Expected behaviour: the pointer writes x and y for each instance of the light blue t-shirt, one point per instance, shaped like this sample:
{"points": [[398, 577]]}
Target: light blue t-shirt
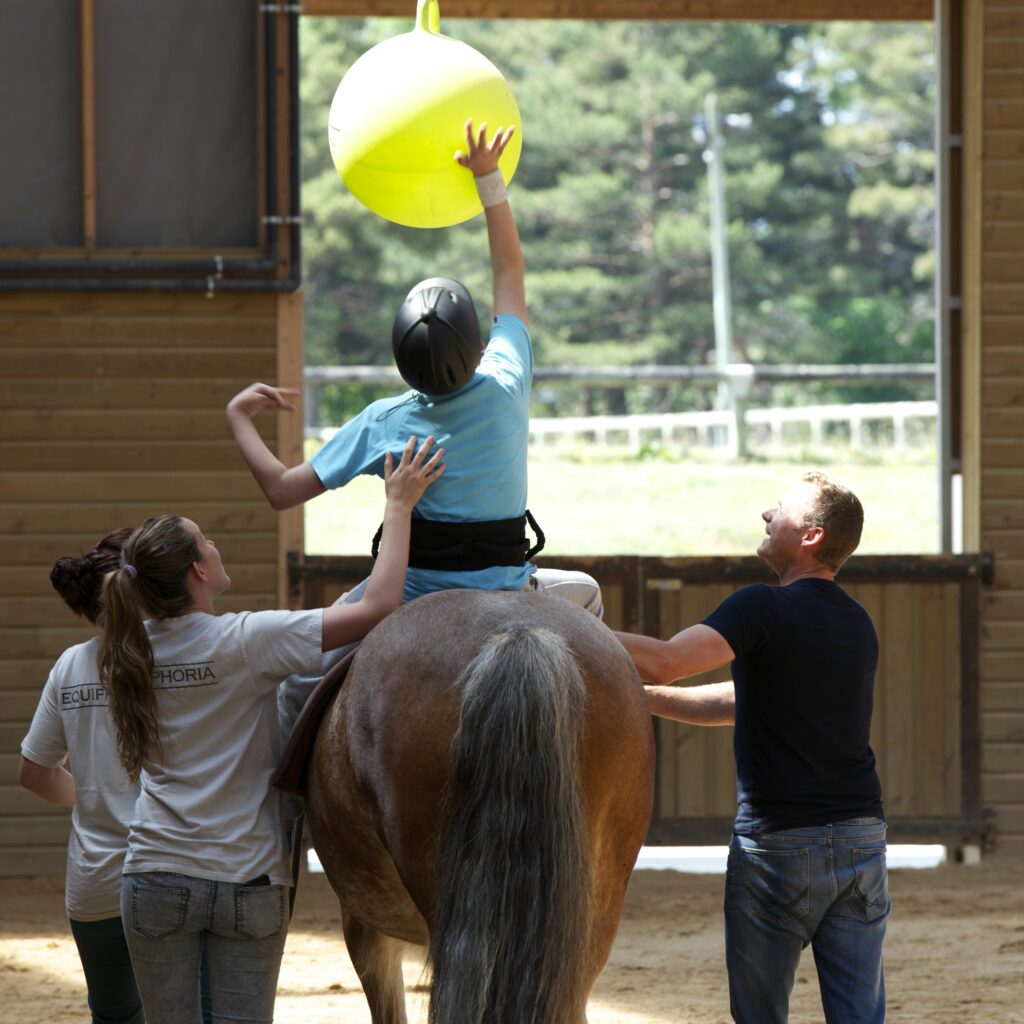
{"points": [[483, 428]]}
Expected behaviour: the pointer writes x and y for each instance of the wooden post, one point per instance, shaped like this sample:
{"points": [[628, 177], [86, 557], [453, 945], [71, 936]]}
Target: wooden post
{"points": [[88, 125], [291, 538]]}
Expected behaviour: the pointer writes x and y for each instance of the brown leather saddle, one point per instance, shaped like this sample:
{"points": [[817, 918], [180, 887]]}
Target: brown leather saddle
{"points": [[294, 764]]}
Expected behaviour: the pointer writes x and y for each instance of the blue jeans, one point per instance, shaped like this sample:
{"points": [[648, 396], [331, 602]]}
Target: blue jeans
{"points": [[170, 919], [825, 887], [113, 995]]}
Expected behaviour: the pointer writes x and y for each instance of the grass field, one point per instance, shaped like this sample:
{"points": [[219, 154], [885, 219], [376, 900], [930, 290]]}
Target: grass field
{"points": [[593, 501]]}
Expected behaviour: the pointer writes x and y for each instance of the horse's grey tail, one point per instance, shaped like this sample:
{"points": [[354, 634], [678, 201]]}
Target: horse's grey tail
{"points": [[508, 942]]}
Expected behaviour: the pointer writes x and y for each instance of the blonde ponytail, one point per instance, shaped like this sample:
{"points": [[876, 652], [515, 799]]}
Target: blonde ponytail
{"points": [[152, 579]]}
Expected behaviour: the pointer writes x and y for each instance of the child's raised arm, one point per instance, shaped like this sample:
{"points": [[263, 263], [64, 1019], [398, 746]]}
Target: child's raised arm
{"points": [[283, 487], [507, 265]]}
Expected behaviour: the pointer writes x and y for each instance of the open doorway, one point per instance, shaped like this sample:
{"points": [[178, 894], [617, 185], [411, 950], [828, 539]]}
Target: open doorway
{"points": [[824, 147]]}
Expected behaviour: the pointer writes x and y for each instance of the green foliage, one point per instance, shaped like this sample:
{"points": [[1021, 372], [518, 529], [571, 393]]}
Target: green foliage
{"points": [[829, 199]]}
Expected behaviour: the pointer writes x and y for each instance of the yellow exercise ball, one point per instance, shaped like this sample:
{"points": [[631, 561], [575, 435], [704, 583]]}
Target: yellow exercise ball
{"points": [[399, 115]]}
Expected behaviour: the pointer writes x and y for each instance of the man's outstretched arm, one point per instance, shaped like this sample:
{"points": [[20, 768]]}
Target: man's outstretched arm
{"points": [[688, 653], [710, 704]]}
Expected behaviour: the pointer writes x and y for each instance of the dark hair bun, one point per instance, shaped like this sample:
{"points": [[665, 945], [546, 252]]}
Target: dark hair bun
{"points": [[79, 581]]}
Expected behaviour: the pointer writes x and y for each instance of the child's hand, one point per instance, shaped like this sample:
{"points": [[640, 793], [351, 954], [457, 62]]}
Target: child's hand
{"points": [[257, 398], [481, 156], [404, 485]]}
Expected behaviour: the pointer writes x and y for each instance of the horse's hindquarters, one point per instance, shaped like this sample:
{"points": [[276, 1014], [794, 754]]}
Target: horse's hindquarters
{"points": [[551, 862], [342, 821]]}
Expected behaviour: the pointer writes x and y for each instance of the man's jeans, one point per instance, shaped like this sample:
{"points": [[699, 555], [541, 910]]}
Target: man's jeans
{"points": [[169, 918], [825, 887]]}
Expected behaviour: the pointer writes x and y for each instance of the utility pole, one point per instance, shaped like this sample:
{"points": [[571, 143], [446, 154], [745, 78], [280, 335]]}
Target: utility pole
{"points": [[732, 391], [721, 295]]}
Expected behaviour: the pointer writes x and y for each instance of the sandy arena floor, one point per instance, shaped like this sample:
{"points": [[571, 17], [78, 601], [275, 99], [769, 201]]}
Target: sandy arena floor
{"points": [[954, 954]]}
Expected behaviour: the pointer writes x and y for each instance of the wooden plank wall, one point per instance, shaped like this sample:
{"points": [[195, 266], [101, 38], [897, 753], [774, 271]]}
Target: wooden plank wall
{"points": [[916, 723], [113, 411], [921, 691], [993, 372]]}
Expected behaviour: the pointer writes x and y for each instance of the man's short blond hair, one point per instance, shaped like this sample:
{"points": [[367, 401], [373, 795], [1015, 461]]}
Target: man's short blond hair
{"points": [[838, 511]]}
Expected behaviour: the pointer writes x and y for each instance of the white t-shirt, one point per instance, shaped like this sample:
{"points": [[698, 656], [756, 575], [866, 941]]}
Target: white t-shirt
{"points": [[207, 809], [72, 719]]}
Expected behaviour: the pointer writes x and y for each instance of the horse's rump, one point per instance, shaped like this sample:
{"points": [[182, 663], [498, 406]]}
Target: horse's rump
{"points": [[517, 864]]}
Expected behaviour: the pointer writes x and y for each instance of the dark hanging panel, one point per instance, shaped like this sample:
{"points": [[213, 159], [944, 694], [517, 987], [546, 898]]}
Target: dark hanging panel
{"points": [[177, 135], [177, 106], [40, 125]]}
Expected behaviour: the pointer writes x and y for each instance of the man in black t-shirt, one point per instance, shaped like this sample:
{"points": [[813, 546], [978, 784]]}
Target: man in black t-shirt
{"points": [[807, 857]]}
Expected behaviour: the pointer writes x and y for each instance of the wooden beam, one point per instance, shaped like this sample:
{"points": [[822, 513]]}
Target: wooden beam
{"points": [[973, 399], [291, 522], [88, 125], [641, 10], [282, 72]]}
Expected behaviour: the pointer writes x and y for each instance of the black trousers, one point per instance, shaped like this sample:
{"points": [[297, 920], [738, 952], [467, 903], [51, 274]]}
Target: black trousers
{"points": [[113, 995]]}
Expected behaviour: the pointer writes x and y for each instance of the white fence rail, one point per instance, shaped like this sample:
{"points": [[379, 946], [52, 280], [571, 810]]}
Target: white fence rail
{"points": [[863, 424], [866, 424]]}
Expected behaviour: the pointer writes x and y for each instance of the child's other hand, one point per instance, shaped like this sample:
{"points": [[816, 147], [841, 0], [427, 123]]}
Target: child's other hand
{"points": [[257, 398]]}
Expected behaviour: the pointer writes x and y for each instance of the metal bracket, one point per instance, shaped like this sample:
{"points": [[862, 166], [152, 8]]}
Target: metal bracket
{"points": [[280, 8], [290, 218]]}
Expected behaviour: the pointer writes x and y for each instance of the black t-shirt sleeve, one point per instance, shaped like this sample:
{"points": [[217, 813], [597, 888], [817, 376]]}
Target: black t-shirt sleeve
{"points": [[741, 618]]}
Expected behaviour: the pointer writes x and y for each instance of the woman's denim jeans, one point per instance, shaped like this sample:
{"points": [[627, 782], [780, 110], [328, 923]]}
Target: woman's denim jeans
{"points": [[169, 919], [825, 887]]}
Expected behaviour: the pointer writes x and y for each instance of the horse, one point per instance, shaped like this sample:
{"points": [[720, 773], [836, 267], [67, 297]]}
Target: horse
{"points": [[481, 786]]}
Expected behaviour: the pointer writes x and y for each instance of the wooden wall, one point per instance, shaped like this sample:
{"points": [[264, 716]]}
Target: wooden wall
{"points": [[924, 728], [993, 385], [113, 410], [916, 726]]}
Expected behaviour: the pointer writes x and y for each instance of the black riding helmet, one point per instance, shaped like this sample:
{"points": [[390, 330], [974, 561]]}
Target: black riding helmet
{"points": [[436, 337]]}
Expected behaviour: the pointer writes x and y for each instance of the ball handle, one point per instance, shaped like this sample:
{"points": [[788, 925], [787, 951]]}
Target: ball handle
{"points": [[428, 16]]}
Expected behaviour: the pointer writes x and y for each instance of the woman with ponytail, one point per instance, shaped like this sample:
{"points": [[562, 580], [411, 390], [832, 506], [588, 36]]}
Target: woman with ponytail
{"points": [[192, 700], [71, 721]]}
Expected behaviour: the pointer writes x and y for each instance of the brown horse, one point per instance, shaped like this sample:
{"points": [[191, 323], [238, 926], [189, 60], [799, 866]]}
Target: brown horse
{"points": [[482, 785]]}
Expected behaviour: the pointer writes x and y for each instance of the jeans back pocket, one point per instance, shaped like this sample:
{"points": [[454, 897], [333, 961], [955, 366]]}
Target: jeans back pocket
{"points": [[870, 883], [777, 882], [259, 910], [157, 910]]}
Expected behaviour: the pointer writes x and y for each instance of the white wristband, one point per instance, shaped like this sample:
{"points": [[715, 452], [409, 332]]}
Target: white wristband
{"points": [[491, 188]]}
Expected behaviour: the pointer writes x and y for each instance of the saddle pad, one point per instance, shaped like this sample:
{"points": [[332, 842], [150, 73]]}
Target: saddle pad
{"points": [[291, 769]]}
